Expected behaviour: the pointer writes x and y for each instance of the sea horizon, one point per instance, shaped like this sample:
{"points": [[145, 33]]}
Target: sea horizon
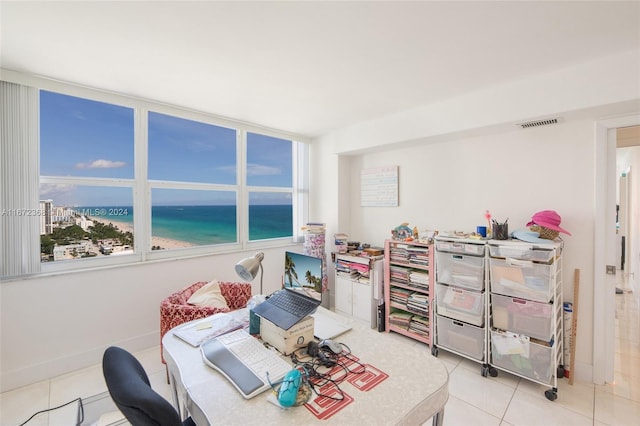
{"points": [[201, 225]]}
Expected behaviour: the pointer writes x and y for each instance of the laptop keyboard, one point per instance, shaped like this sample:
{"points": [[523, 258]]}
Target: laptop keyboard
{"points": [[292, 303]]}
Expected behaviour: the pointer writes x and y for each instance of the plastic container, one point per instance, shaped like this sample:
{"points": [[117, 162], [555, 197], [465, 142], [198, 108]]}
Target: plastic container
{"points": [[522, 356], [521, 278], [461, 270], [522, 316], [460, 247], [461, 304], [521, 251], [461, 337]]}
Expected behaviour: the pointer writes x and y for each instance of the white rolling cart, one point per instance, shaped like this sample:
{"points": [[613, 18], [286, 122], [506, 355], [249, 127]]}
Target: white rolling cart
{"points": [[461, 300], [526, 329]]}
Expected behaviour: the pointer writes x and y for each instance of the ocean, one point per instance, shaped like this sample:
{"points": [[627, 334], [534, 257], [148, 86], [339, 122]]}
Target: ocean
{"points": [[202, 225]]}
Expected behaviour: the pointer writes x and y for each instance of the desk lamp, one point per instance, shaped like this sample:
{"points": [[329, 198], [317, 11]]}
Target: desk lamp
{"points": [[247, 268]]}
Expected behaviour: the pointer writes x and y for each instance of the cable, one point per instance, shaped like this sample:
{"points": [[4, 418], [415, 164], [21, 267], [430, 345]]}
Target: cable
{"points": [[79, 400]]}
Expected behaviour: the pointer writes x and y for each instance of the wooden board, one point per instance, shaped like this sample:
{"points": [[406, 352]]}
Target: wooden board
{"points": [[574, 324]]}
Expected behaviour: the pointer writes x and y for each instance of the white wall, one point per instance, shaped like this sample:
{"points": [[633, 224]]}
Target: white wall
{"points": [[55, 324], [448, 186]]}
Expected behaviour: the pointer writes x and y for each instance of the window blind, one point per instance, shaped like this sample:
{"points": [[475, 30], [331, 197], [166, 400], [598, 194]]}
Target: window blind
{"points": [[19, 180]]}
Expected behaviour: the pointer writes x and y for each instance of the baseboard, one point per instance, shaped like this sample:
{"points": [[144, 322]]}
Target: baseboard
{"points": [[30, 374]]}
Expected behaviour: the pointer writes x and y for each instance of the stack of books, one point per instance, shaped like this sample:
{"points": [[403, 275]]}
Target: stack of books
{"points": [[400, 295], [419, 325], [418, 303], [400, 319], [418, 255], [419, 279]]}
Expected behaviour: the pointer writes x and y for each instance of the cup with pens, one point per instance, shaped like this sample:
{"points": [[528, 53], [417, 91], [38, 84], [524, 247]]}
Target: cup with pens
{"points": [[500, 230]]}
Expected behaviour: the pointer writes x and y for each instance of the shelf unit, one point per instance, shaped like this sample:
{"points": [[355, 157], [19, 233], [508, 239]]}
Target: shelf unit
{"points": [[358, 286], [526, 337], [408, 289], [462, 306]]}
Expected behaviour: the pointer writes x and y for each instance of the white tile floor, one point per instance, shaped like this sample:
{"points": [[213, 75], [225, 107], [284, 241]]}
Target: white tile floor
{"points": [[474, 400]]}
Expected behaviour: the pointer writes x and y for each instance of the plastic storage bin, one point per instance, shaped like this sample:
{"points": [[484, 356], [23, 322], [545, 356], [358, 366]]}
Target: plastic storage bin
{"points": [[521, 278], [461, 304], [521, 251], [522, 356], [460, 247], [460, 270], [461, 337], [522, 316]]}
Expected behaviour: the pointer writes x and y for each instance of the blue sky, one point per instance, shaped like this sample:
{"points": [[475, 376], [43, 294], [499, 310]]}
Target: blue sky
{"points": [[85, 138]]}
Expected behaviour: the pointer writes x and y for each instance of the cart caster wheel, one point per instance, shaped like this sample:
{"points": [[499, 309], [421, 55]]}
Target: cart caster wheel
{"points": [[551, 394], [484, 371], [434, 351], [493, 372], [560, 372]]}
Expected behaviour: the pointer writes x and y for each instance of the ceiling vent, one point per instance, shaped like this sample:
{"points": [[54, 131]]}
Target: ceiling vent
{"points": [[538, 123]]}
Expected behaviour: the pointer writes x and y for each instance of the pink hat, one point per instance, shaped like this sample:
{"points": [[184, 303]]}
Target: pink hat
{"points": [[549, 219]]}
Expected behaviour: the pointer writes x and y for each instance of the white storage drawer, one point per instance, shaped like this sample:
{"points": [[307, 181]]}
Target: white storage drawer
{"points": [[460, 270], [522, 356], [461, 304], [521, 278], [521, 251], [460, 247], [461, 337], [522, 316]]}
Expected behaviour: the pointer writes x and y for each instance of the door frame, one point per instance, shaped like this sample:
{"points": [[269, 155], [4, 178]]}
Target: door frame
{"points": [[604, 245]]}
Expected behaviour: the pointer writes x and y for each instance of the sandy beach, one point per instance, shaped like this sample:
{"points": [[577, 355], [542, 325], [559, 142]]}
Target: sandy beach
{"points": [[165, 243]]}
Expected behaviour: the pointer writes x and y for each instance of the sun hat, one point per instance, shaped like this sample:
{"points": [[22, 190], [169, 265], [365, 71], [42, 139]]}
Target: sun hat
{"points": [[549, 219]]}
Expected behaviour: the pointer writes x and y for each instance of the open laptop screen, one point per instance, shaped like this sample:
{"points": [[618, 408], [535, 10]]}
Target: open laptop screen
{"points": [[304, 274]]}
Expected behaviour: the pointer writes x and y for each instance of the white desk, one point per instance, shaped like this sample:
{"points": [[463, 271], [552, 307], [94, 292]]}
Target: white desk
{"points": [[416, 389]]}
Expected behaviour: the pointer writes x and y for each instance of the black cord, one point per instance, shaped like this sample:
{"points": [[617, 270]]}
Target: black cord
{"points": [[79, 400]]}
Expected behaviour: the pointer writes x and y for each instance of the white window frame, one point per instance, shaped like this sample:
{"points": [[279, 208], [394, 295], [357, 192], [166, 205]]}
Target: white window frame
{"points": [[141, 186]]}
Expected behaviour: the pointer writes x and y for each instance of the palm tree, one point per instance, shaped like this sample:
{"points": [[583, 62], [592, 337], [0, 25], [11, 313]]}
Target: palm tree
{"points": [[310, 278], [290, 269]]}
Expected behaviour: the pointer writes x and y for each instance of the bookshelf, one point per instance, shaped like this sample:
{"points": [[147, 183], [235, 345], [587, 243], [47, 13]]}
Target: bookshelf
{"points": [[408, 289], [358, 286]]}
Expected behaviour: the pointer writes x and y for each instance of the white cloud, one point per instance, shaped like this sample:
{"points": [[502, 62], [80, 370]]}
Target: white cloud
{"points": [[260, 170], [101, 164]]}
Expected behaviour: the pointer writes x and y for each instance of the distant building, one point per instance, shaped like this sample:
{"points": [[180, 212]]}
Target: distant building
{"points": [[46, 223], [72, 251], [84, 222]]}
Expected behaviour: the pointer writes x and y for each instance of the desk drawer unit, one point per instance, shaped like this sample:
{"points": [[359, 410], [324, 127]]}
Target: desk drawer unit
{"points": [[460, 270], [523, 279], [522, 356], [461, 337], [461, 304], [534, 319], [522, 252], [461, 247]]}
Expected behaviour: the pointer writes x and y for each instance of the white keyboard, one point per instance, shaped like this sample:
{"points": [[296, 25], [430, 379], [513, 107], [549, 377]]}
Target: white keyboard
{"points": [[245, 362]]}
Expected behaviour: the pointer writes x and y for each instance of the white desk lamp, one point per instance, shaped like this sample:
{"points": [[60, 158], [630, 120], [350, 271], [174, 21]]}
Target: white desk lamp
{"points": [[247, 268]]}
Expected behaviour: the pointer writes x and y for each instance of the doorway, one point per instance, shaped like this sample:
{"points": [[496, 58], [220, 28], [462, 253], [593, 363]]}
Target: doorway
{"points": [[605, 243]]}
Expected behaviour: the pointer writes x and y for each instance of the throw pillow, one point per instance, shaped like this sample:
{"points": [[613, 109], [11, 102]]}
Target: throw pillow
{"points": [[208, 295]]}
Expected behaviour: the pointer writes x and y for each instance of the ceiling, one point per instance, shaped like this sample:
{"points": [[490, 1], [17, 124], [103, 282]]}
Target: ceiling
{"points": [[307, 67]]}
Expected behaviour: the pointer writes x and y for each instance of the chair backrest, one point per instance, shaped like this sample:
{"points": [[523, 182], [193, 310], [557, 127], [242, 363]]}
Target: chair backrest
{"points": [[129, 388]]}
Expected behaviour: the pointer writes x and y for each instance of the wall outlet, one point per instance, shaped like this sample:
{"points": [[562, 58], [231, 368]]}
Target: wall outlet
{"points": [[611, 269]]}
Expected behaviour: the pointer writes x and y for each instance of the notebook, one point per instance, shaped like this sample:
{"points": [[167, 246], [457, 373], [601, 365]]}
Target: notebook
{"points": [[301, 295]]}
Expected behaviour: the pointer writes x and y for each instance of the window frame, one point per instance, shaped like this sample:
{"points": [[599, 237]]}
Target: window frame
{"points": [[141, 186]]}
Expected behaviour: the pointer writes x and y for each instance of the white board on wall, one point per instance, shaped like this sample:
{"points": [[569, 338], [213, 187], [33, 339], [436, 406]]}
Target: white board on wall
{"points": [[379, 187]]}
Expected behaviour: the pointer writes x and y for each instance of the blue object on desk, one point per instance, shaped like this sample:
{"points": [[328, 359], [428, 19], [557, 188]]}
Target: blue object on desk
{"points": [[288, 393], [254, 323]]}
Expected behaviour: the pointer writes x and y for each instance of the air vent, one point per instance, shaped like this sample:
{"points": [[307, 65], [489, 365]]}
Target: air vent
{"points": [[538, 123]]}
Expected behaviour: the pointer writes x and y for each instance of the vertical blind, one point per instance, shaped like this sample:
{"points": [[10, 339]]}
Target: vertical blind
{"points": [[19, 180]]}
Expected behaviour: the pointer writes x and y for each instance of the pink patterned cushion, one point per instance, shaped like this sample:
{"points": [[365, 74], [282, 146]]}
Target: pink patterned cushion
{"points": [[174, 310]]}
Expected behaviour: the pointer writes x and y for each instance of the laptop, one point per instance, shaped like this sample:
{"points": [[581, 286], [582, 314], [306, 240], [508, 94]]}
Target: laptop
{"points": [[301, 295], [329, 325]]}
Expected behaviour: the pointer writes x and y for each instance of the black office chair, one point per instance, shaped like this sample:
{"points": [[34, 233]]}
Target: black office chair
{"points": [[129, 388]]}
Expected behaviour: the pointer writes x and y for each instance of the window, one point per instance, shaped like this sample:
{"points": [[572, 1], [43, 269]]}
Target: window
{"points": [[86, 178], [123, 181]]}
